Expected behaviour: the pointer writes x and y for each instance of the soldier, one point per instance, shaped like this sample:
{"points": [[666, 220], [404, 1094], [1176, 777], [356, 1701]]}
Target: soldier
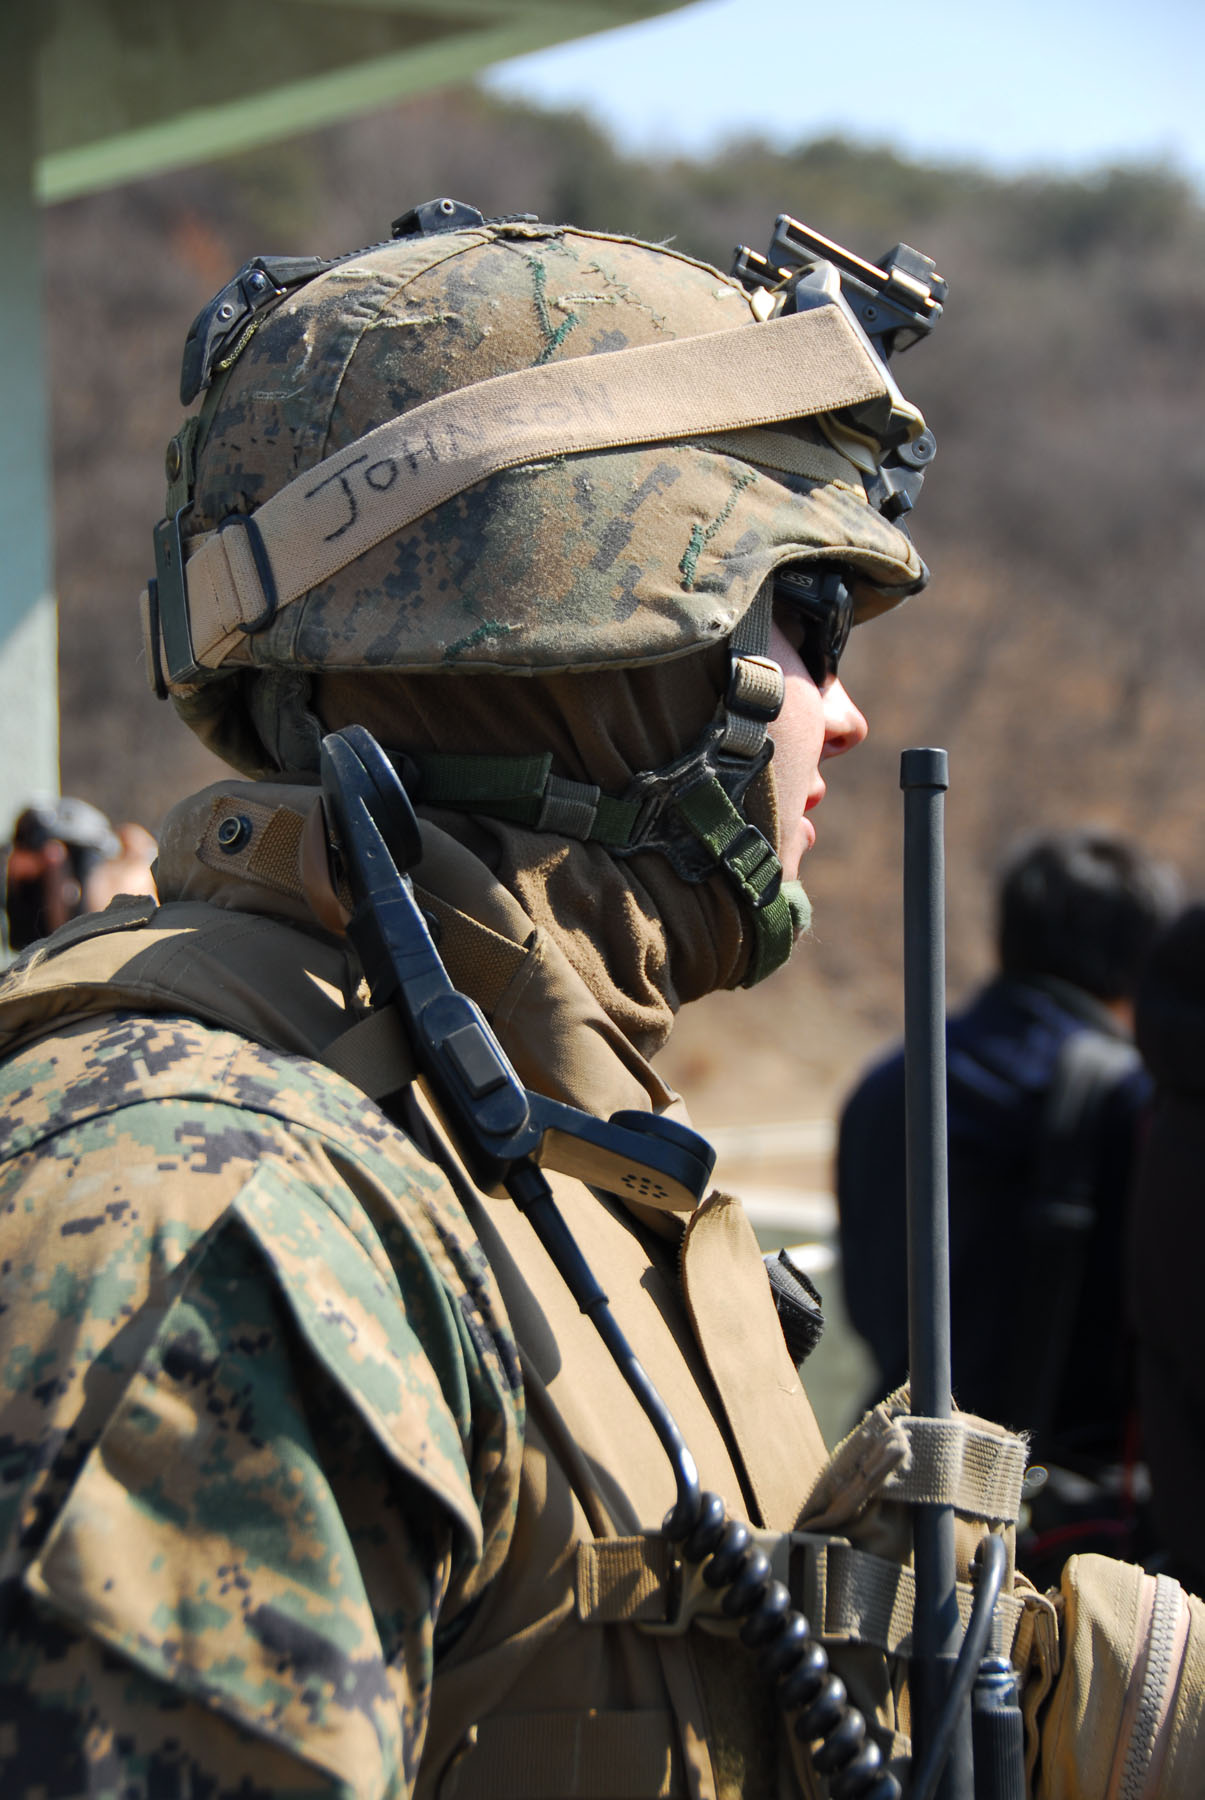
{"points": [[317, 1482]]}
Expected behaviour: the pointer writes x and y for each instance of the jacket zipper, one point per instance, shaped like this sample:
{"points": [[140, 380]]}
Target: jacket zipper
{"points": [[1160, 1669]]}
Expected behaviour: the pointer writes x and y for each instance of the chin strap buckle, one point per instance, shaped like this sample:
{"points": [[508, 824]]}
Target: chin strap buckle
{"points": [[756, 691], [739, 848], [751, 863]]}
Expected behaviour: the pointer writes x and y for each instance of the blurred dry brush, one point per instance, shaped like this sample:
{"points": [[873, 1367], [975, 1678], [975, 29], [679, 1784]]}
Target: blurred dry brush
{"points": [[1059, 651]]}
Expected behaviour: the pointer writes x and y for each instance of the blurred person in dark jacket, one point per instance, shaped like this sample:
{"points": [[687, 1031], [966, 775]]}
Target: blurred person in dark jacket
{"points": [[1046, 1093], [1167, 1243]]}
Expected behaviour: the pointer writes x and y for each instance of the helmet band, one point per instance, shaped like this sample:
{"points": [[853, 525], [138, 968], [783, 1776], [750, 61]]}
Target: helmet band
{"points": [[785, 368]]}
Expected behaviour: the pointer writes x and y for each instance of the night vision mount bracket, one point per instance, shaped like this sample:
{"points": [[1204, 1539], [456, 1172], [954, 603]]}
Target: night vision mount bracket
{"points": [[893, 304]]}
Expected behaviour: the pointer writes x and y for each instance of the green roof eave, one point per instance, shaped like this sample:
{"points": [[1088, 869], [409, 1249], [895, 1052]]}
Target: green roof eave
{"points": [[479, 33]]}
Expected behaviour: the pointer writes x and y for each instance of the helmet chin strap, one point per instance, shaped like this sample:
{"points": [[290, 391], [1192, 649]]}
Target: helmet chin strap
{"points": [[689, 810]]}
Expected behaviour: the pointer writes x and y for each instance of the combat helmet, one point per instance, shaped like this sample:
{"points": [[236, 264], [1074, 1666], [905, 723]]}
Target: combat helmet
{"points": [[500, 445]]}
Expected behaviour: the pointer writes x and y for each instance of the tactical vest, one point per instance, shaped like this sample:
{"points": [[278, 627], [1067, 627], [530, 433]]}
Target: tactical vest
{"points": [[588, 1669]]}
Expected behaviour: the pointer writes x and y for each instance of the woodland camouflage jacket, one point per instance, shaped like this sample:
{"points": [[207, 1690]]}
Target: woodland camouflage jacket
{"points": [[271, 1516], [262, 1420]]}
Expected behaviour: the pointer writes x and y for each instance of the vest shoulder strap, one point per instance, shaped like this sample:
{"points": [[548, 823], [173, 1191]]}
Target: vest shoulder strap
{"points": [[238, 972]]}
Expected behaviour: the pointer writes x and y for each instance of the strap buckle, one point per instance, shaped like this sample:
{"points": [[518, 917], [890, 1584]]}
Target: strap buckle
{"points": [[688, 1596], [656, 795], [745, 860], [756, 691], [756, 688]]}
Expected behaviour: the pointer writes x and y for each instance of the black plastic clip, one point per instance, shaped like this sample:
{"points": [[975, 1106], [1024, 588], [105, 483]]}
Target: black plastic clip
{"points": [[217, 331], [154, 644], [436, 215], [171, 602]]}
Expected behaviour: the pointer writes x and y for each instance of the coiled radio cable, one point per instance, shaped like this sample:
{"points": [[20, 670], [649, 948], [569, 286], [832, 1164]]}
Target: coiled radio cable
{"points": [[791, 1660]]}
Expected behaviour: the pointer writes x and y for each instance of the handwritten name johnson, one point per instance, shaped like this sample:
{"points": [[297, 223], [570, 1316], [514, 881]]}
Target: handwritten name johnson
{"points": [[469, 448]]}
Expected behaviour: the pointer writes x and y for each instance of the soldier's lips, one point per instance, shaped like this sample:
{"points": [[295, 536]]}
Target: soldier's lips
{"points": [[813, 799]]}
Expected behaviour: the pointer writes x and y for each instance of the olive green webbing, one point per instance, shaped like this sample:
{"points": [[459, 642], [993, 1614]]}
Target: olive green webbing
{"points": [[754, 870], [752, 375], [516, 789]]}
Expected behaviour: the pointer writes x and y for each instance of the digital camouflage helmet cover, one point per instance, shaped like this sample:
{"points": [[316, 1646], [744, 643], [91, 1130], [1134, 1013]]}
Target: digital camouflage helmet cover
{"points": [[504, 446]]}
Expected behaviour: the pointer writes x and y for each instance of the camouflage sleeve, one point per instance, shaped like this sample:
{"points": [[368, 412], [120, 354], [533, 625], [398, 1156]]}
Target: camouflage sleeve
{"points": [[261, 1424]]}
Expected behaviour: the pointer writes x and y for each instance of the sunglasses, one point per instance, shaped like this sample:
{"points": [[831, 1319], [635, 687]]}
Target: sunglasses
{"points": [[821, 603]]}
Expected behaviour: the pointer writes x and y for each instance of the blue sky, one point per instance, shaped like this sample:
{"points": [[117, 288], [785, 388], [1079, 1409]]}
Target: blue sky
{"points": [[1059, 85]]}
